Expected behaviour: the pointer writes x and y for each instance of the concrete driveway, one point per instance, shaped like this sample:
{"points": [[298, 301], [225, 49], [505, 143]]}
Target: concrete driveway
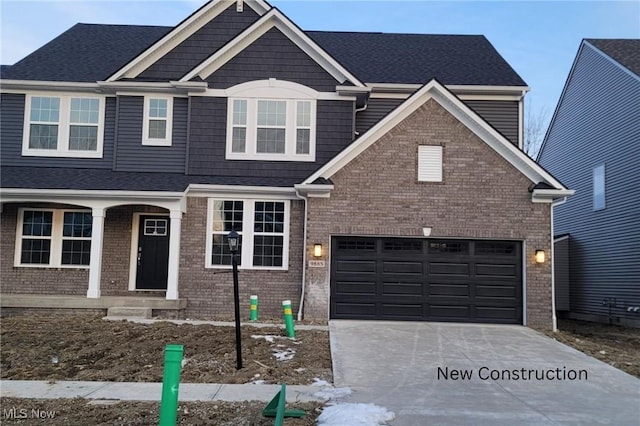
{"points": [[441, 374]]}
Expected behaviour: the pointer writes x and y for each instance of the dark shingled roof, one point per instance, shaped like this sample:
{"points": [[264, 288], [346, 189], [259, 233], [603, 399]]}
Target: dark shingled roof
{"points": [[86, 53], [105, 180], [417, 58], [624, 51], [89, 53]]}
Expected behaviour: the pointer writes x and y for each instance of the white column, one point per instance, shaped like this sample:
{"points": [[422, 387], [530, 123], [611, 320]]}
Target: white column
{"points": [[95, 264], [174, 255]]}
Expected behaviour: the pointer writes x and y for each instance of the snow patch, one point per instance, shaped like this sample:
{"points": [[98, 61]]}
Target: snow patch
{"points": [[283, 355], [355, 414], [184, 362], [329, 392], [269, 337], [320, 382]]}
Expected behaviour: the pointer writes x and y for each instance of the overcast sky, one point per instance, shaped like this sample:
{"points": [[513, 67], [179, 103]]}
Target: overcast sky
{"points": [[538, 38]]}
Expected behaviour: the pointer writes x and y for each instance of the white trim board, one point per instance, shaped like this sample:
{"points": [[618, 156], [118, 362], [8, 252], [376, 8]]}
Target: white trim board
{"points": [[435, 90], [273, 19], [180, 33]]}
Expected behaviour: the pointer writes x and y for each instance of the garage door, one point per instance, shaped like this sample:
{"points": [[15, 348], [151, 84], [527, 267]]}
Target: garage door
{"points": [[426, 279]]}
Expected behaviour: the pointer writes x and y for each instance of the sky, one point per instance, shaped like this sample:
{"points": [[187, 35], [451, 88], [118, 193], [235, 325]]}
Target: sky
{"points": [[539, 39]]}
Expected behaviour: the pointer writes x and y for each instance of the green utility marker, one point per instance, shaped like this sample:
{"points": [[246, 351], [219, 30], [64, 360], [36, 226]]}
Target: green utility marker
{"points": [[288, 318], [170, 383], [276, 407], [253, 314]]}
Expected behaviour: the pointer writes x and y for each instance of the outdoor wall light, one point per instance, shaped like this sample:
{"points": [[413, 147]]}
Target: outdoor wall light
{"points": [[233, 239], [317, 250], [540, 256]]}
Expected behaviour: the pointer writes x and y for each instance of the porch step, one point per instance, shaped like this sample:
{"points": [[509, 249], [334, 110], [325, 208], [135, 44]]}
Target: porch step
{"points": [[129, 312]]}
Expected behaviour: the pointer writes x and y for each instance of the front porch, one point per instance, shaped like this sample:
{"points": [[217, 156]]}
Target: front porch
{"points": [[51, 301]]}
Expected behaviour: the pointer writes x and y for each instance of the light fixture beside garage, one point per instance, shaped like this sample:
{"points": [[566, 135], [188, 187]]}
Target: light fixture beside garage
{"points": [[540, 256], [317, 250]]}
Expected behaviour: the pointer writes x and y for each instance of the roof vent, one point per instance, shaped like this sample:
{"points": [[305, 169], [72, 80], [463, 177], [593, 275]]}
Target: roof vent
{"points": [[239, 5]]}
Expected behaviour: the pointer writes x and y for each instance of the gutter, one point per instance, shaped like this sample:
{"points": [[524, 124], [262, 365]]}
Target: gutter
{"points": [[554, 318], [304, 255]]}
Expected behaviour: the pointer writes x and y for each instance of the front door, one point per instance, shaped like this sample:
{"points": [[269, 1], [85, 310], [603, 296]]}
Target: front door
{"points": [[153, 253]]}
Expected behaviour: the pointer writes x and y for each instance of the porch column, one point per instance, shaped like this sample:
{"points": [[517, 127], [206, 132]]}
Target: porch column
{"points": [[174, 255], [95, 263]]}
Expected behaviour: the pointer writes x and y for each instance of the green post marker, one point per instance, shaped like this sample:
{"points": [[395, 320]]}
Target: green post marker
{"points": [[253, 315], [170, 384], [288, 318]]}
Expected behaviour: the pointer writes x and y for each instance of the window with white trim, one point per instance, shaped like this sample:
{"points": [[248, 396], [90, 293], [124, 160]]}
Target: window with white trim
{"points": [[599, 202], [271, 129], [63, 125], [53, 238], [263, 226], [430, 163], [158, 121]]}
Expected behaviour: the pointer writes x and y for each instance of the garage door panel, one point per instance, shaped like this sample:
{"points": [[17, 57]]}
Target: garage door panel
{"points": [[426, 279], [402, 289], [356, 266], [355, 287], [449, 289], [405, 268], [459, 269], [491, 270], [391, 310]]}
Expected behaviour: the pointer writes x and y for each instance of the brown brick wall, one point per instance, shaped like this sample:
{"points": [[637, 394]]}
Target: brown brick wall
{"points": [[481, 196], [210, 291]]}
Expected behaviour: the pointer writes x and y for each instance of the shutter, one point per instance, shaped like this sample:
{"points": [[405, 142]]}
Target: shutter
{"points": [[429, 163]]}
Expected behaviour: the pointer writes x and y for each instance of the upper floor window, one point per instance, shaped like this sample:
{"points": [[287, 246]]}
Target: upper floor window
{"points": [[158, 115], [271, 120], [63, 126], [53, 238], [599, 188]]}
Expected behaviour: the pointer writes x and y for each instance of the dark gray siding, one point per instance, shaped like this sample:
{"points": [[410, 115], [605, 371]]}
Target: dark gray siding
{"points": [[200, 45], [502, 115], [132, 156], [273, 56], [11, 128], [562, 275], [377, 108], [208, 137], [598, 122]]}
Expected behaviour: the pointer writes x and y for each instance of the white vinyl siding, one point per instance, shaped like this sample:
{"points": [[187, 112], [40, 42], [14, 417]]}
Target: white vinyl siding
{"points": [[429, 163]]}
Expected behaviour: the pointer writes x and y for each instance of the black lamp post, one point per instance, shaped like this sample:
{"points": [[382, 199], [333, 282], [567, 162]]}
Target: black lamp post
{"points": [[234, 239]]}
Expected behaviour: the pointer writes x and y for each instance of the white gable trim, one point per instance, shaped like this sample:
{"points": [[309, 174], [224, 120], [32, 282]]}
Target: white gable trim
{"points": [[179, 34], [274, 18], [434, 90]]}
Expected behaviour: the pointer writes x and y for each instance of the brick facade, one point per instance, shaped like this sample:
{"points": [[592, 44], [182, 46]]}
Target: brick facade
{"points": [[481, 196]]}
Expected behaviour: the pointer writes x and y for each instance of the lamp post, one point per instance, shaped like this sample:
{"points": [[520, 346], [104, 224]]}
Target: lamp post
{"points": [[234, 239]]}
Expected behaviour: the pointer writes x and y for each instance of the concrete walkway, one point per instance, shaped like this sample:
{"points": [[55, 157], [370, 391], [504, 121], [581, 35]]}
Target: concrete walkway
{"points": [[216, 323], [137, 391], [440, 374]]}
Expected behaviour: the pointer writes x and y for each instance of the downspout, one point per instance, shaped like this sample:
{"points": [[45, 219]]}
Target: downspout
{"points": [[355, 113], [304, 256], [554, 318]]}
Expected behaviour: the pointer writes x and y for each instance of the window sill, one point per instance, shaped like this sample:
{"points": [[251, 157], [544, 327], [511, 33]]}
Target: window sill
{"points": [[271, 157], [65, 154], [58, 267], [250, 268], [151, 142]]}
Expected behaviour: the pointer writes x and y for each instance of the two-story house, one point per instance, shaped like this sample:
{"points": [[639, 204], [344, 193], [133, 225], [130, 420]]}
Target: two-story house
{"points": [[593, 145], [369, 175]]}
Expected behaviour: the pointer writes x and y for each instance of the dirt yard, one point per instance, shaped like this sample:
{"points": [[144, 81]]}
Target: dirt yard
{"points": [[89, 348], [617, 346]]}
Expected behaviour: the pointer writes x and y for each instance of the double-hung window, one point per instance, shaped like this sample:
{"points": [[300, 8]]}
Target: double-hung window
{"points": [[263, 227], [158, 119], [53, 238], [271, 129], [63, 125]]}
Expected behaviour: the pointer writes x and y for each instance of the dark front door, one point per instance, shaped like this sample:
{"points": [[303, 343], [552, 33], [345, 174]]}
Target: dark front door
{"points": [[153, 253], [426, 279]]}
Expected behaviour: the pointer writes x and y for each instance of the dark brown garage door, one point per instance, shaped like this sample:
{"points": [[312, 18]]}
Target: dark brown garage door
{"points": [[426, 279]]}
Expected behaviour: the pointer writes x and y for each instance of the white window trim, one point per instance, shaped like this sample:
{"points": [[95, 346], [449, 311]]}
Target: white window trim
{"points": [[63, 124], [57, 226], [248, 214], [146, 140], [430, 163], [251, 152]]}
